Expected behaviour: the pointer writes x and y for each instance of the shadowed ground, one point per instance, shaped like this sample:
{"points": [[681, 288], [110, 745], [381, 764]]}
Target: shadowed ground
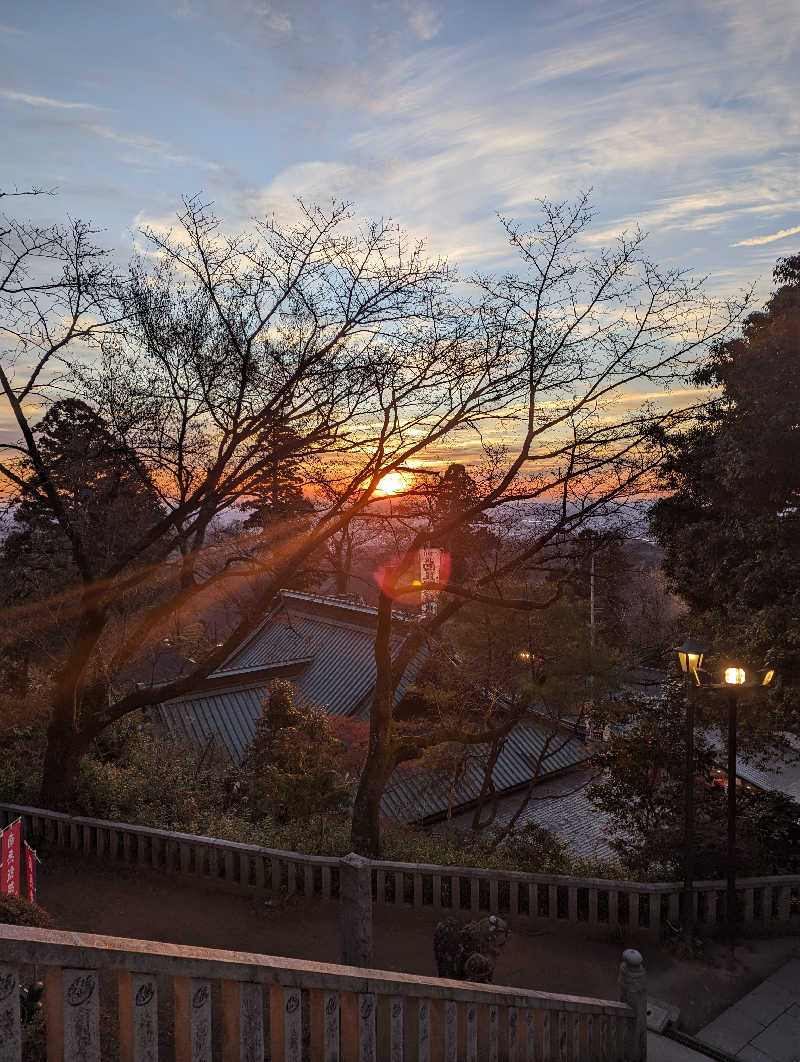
{"points": [[127, 902]]}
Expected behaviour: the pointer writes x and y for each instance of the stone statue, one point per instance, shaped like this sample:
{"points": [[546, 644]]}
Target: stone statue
{"points": [[468, 952]]}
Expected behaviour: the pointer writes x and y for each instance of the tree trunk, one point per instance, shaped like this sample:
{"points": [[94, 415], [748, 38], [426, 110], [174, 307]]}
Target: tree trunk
{"points": [[365, 836], [66, 743], [62, 759]]}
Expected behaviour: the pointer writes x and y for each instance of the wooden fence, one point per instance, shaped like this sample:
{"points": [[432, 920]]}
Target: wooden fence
{"points": [[765, 903]]}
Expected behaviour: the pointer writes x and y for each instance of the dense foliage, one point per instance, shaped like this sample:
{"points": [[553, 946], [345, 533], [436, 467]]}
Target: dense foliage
{"points": [[289, 772], [17, 911], [642, 789], [99, 491], [730, 526]]}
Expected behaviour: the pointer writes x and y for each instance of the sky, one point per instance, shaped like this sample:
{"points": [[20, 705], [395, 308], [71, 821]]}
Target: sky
{"points": [[682, 116], [679, 116]]}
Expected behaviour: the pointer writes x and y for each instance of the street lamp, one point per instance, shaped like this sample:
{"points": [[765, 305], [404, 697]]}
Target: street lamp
{"points": [[736, 679], [690, 655]]}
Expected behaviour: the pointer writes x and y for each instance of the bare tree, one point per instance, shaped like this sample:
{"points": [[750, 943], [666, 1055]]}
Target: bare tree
{"points": [[584, 337], [345, 336]]}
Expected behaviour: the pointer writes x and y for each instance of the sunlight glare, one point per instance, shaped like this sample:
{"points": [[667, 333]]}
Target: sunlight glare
{"points": [[392, 483]]}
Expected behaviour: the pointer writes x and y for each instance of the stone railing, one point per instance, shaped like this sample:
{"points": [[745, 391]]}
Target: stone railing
{"points": [[199, 1004], [766, 903]]}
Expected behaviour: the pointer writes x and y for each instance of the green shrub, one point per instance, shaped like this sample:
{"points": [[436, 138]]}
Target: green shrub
{"points": [[161, 782], [23, 724]]}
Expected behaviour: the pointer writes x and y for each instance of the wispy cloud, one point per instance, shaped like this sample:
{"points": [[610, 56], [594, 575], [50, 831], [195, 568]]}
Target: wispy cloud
{"points": [[155, 151], [754, 241], [46, 101], [425, 20]]}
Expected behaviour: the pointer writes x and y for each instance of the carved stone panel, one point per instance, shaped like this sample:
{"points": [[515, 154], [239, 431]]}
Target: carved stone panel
{"points": [[10, 1041], [331, 1027], [145, 1018], [200, 1020], [396, 1019], [451, 1031], [293, 1024], [424, 1030], [81, 1002], [251, 1023], [367, 1046]]}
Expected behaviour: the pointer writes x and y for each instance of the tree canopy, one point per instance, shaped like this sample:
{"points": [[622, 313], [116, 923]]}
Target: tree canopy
{"points": [[103, 495], [730, 525], [340, 351], [641, 787], [290, 769]]}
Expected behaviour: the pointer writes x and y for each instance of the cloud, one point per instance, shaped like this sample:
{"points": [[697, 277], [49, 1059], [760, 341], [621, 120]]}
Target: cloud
{"points": [[754, 241], [274, 21], [765, 188], [158, 151], [318, 182], [46, 101], [425, 20]]}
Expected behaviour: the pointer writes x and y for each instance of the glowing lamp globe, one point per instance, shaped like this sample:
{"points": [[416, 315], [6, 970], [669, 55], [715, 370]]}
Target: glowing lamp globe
{"points": [[735, 676], [690, 655]]}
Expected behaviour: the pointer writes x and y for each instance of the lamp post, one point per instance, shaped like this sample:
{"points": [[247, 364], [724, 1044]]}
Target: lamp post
{"points": [[690, 655], [735, 680]]}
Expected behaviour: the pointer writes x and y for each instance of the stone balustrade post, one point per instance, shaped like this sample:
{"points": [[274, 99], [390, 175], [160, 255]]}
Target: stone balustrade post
{"points": [[355, 910], [633, 991]]}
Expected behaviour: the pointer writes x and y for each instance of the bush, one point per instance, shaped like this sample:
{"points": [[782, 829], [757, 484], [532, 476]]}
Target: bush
{"points": [[161, 782], [17, 911], [531, 849], [22, 742], [290, 769]]}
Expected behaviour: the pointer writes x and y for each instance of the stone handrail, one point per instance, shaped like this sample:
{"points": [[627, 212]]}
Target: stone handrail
{"points": [[765, 903], [230, 1005]]}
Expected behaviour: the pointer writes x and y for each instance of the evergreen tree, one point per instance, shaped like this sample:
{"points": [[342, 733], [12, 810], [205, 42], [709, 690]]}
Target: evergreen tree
{"points": [[455, 493], [106, 501], [100, 489], [278, 497], [289, 770], [730, 527]]}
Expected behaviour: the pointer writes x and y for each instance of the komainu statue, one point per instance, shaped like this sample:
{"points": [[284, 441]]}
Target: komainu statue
{"points": [[468, 952]]}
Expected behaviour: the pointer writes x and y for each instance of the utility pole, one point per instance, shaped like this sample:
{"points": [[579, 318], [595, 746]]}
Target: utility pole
{"points": [[592, 636]]}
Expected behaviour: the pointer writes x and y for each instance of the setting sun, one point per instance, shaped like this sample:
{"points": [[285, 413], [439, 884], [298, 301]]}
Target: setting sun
{"points": [[393, 483]]}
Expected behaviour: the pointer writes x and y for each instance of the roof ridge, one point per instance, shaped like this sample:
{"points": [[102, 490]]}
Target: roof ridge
{"points": [[335, 602]]}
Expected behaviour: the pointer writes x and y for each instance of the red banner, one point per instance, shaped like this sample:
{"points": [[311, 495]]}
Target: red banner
{"points": [[30, 868], [11, 857]]}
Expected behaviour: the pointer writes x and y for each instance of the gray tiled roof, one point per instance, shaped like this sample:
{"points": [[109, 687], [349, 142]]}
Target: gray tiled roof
{"points": [[560, 805], [228, 713], [415, 794], [340, 639], [325, 647], [774, 776]]}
